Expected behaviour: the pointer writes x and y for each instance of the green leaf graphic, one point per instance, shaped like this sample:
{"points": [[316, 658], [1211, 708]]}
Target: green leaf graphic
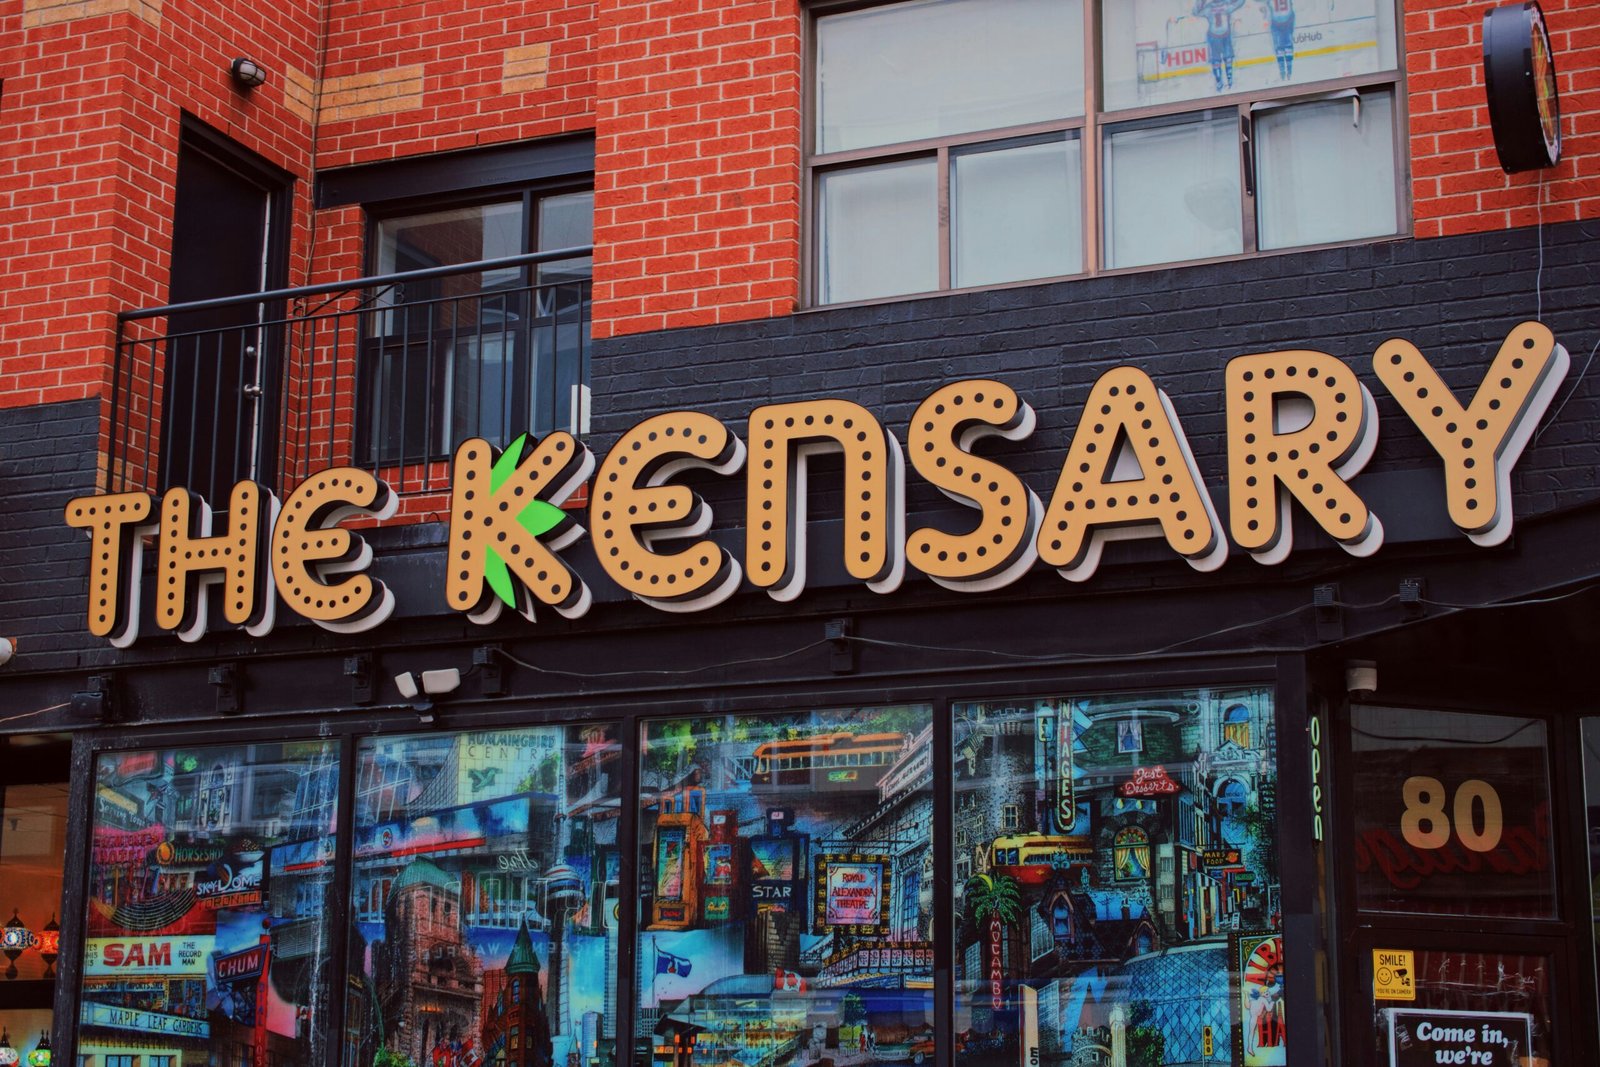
{"points": [[508, 461], [540, 517], [498, 576]]}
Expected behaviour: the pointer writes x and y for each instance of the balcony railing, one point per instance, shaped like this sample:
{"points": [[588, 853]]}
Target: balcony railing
{"points": [[388, 373]]}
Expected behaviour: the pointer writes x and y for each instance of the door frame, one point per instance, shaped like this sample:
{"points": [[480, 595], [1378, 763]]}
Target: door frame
{"points": [[276, 186], [1566, 939]]}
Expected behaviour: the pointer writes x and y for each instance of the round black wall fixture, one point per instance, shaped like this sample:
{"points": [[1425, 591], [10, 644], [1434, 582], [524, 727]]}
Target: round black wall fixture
{"points": [[1519, 76]]}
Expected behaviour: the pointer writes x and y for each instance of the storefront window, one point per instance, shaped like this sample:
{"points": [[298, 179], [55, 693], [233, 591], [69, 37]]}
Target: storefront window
{"points": [[1487, 1008], [485, 886], [1451, 813], [1131, 915], [33, 838], [208, 890], [1591, 789], [787, 910]]}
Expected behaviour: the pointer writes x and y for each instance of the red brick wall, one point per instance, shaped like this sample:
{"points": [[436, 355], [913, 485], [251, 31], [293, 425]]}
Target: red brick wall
{"points": [[93, 94], [697, 159], [696, 105], [434, 75], [1457, 185]]}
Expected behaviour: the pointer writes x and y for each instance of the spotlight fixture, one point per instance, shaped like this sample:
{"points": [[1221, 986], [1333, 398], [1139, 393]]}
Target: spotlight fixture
{"points": [[247, 73], [422, 688], [434, 683]]}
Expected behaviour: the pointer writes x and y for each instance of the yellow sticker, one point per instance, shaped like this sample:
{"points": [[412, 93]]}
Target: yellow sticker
{"points": [[1394, 974]]}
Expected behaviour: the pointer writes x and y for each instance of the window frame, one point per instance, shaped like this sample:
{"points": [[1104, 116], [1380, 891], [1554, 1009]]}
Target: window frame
{"points": [[349, 726], [435, 409], [1559, 936], [1090, 129]]}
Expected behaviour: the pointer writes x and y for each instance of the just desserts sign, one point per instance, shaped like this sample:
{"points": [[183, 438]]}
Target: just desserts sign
{"points": [[1300, 425]]}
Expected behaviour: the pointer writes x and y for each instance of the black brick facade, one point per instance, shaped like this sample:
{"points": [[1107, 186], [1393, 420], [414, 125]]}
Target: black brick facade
{"points": [[1455, 298], [47, 456]]}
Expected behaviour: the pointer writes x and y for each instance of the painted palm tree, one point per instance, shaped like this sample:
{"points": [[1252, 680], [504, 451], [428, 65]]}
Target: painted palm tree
{"points": [[995, 900]]}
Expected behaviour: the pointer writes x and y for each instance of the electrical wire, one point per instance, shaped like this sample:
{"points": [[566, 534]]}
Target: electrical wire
{"points": [[1538, 277], [1589, 583], [1437, 739], [664, 674], [31, 714], [1052, 657], [1550, 420]]}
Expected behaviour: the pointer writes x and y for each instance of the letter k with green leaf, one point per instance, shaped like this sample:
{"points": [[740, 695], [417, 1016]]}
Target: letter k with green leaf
{"points": [[507, 527]]}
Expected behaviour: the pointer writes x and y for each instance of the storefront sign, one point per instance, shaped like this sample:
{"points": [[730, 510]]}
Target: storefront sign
{"points": [[1443, 825], [1426, 1037], [168, 956], [853, 894], [170, 854], [1394, 974], [238, 966], [146, 1022], [508, 529], [1066, 789], [1220, 858], [1030, 1027], [230, 885], [1316, 778], [1148, 782], [997, 989]]}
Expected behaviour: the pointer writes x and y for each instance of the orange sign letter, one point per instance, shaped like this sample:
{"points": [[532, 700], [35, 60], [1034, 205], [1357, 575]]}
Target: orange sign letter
{"points": [[1480, 443]]}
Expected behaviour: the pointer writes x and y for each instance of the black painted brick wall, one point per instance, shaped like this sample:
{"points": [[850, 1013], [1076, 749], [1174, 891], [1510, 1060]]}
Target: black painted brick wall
{"points": [[47, 456], [1454, 297]]}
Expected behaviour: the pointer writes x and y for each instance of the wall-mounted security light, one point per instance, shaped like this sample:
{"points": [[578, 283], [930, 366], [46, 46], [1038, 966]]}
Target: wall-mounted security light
{"points": [[421, 689], [247, 73], [8, 648], [430, 683]]}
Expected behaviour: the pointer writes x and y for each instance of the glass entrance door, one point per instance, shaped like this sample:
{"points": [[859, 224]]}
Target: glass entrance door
{"points": [[1462, 933]]}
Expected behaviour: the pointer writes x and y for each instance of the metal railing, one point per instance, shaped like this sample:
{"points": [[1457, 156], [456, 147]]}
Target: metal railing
{"points": [[387, 373]]}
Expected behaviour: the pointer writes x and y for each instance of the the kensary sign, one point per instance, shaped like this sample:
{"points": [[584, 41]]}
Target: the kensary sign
{"points": [[1300, 426]]}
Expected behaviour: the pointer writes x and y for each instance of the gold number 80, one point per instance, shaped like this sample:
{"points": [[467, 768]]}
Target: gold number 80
{"points": [[1425, 824]]}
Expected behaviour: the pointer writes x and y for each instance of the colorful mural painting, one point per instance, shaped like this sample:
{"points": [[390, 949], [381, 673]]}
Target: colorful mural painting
{"points": [[208, 891], [788, 860], [1116, 881], [484, 893]]}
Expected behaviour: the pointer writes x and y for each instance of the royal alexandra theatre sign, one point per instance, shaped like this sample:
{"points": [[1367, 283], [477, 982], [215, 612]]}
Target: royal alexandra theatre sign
{"points": [[1300, 425]]}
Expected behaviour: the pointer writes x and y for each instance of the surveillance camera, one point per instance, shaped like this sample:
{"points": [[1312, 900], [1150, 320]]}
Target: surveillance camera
{"points": [[8, 648], [1360, 678]]}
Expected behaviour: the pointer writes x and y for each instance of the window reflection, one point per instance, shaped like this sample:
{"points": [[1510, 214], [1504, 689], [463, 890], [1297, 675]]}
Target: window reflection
{"points": [[207, 893], [1451, 813], [485, 882], [788, 906], [1117, 880], [1591, 788]]}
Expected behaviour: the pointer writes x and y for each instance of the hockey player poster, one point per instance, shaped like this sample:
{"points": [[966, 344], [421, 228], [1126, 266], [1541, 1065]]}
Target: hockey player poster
{"points": [[1160, 51]]}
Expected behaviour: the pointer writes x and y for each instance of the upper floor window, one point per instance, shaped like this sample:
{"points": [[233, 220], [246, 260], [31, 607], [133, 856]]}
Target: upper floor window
{"points": [[484, 353], [958, 143]]}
